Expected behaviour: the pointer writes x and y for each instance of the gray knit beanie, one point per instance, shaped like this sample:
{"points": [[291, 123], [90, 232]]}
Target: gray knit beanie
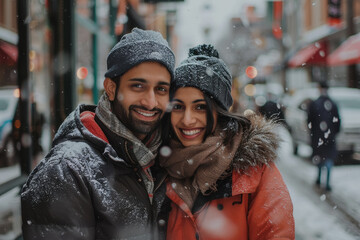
{"points": [[204, 70], [137, 47]]}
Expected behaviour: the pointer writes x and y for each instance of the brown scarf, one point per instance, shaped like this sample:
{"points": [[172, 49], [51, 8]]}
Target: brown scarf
{"points": [[145, 154], [198, 167]]}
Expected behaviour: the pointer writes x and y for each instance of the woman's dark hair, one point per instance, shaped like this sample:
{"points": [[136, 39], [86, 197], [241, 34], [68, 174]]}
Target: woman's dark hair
{"points": [[231, 123]]}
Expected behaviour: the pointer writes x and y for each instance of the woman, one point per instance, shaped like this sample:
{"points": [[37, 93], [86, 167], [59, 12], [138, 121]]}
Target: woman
{"points": [[223, 183]]}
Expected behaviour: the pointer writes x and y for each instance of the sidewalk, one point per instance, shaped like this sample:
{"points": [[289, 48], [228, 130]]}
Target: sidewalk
{"points": [[346, 191], [345, 180], [10, 215]]}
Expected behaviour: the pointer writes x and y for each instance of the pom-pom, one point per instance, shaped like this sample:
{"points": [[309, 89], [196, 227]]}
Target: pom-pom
{"points": [[204, 49]]}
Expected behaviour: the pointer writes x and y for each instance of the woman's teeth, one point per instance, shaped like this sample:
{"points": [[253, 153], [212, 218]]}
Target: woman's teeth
{"points": [[190, 132]]}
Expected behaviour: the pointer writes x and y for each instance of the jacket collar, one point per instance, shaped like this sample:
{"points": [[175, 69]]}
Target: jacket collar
{"points": [[258, 145], [236, 184]]}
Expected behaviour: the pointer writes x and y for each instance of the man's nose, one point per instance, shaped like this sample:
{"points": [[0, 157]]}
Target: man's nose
{"points": [[149, 100]]}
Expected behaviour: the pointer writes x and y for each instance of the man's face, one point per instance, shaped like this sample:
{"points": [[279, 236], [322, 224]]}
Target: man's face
{"points": [[142, 97]]}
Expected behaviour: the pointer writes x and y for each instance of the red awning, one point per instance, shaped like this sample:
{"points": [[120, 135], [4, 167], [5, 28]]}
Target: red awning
{"points": [[8, 53], [314, 54], [348, 52]]}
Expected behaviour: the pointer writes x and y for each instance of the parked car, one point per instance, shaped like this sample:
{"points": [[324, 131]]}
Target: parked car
{"points": [[8, 103], [348, 101]]}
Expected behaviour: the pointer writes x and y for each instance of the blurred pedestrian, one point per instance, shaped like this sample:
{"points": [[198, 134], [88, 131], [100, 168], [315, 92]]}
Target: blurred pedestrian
{"points": [[273, 110], [36, 130], [100, 179], [37, 121], [324, 124], [223, 181]]}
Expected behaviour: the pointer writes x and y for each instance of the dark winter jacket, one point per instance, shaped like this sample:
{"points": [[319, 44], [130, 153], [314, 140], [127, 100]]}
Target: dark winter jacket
{"points": [[252, 203], [324, 124], [272, 110], [84, 190]]}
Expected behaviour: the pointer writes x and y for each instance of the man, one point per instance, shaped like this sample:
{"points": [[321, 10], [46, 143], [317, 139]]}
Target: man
{"points": [[99, 179], [324, 124]]}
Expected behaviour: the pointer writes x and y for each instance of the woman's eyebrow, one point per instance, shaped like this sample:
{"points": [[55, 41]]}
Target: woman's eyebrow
{"points": [[198, 100], [195, 101]]}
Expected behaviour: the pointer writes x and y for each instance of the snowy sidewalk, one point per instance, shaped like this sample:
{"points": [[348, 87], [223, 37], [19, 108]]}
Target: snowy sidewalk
{"points": [[10, 216], [319, 214]]}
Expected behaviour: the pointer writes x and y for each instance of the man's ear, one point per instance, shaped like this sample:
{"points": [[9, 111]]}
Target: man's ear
{"points": [[110, 88]]}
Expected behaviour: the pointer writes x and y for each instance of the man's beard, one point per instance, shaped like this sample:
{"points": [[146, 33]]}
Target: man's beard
{"points": [[136, 126]]}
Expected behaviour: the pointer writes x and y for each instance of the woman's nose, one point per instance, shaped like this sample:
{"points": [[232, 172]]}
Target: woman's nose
{"points": [[188, 118]]}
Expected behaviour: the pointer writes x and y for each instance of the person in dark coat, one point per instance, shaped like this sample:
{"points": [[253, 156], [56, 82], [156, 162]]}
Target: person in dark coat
{"points": [[272, 110], [100, 180], [324, 124]]}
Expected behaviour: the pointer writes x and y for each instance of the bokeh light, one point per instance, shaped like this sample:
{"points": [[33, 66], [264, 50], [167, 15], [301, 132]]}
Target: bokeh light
{"points": [[16, 93], [250, 90], [251, 72], [82, 73]]}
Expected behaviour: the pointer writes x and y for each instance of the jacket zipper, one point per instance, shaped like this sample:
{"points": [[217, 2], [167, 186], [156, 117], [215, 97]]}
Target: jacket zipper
{"points": [[136, 172], [160, 183], [152, 217]]}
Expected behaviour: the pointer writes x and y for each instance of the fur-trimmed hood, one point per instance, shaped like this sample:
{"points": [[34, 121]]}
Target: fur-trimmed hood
{"points": [[259, 143]]}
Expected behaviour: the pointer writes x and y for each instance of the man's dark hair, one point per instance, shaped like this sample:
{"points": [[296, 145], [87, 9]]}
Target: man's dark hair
{"points": [[116, 80], [323, 84]]}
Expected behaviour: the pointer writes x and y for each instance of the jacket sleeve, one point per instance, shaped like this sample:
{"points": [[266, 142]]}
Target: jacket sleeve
{"points": [[56, 203], [270, 208]]}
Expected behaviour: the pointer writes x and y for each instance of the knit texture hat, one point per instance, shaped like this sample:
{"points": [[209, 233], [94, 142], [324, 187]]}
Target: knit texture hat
{"points": [[203, 69], [137, 47]]}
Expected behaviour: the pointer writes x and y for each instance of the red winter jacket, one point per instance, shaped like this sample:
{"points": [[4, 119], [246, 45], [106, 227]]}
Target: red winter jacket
{"points": [[259, 207]]}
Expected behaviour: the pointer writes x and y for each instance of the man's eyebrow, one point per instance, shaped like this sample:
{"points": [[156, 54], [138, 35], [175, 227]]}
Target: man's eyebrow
{"points": [[145, 81], [164, 83], [137, 80]]}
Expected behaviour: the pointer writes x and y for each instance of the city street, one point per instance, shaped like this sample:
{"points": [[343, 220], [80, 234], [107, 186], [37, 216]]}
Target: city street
{"points": [[320, 215], [273, 56]]}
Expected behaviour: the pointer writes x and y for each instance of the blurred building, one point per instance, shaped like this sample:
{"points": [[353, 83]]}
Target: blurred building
{"points": [[8, 42], [312, 31], [61, 63], [67, 63]]}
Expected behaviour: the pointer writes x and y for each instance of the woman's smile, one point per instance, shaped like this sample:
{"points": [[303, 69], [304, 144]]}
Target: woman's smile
{"points": [[191, 133]]}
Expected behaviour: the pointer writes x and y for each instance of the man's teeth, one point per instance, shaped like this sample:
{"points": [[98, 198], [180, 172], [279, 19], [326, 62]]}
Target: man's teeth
{"points": [[191, 132], [146, 114]]}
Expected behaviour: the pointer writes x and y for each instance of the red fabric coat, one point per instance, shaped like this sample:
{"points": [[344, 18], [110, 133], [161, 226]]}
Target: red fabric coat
{"points": [[258, 208]]}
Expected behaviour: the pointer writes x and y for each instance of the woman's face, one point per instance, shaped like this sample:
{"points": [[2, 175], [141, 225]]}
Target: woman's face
{"points": [[188, 116]]}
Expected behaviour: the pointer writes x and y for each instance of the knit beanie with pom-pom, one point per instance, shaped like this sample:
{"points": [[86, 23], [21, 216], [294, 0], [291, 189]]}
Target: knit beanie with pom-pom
{"points": [[203, 69], [137, 47]]}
